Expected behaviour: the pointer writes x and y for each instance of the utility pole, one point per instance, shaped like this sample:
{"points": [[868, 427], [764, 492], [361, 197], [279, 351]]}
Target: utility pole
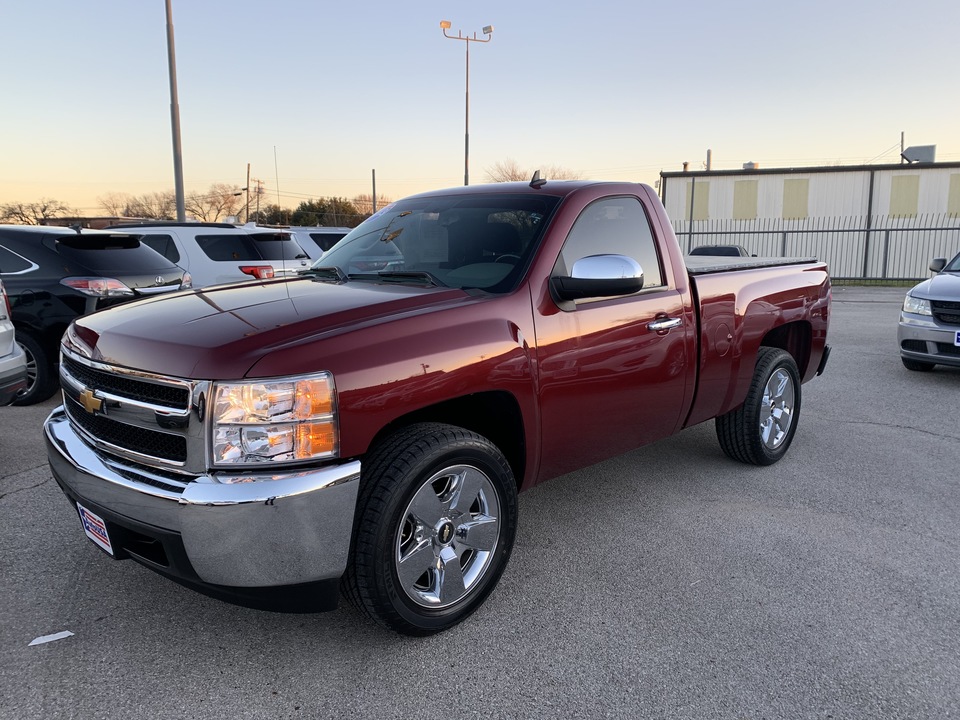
{"points": [[374, 201], [246, 208], [175, 120]]}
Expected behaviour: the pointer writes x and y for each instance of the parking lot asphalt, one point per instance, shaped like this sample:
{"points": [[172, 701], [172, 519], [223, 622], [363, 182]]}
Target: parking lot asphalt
{"points": [[670, 582]]}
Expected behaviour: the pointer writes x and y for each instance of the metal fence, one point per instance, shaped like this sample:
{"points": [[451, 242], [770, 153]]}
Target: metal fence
{"points": [[875, 250]]}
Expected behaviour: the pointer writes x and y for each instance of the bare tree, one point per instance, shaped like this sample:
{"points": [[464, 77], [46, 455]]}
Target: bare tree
{"points": [[509, 170], [34, 213], [217, 204], [155, 206], [364, 203]]}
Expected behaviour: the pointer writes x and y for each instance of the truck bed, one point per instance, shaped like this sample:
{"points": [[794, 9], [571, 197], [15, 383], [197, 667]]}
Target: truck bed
{"points": [[706, 264]]}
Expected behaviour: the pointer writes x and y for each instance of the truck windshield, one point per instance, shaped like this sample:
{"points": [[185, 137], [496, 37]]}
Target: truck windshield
{"points": [[476, 241]]}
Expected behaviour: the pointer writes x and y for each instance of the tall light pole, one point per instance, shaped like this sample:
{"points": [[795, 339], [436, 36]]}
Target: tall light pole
{"points": [[488, 31], [175, 120]]}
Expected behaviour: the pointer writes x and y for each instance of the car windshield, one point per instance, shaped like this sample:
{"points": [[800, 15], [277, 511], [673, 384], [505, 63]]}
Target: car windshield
{"points": [[953, 265], [475, 241]]}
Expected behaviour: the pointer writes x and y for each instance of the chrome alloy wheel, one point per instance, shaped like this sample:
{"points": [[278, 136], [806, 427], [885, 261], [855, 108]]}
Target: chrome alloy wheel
{"points": [[447, 537], [777, 408]]}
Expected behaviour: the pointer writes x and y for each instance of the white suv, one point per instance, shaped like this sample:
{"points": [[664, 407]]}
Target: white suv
{"points": [[13, 361], [215, 253]]}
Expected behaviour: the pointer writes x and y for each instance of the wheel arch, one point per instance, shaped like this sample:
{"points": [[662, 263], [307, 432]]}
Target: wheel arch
{"points": [[495, 414], [796, 338]]}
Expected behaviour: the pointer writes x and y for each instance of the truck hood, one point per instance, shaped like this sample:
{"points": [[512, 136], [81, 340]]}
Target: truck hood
{"points": [[218, 333], [945, 286]]}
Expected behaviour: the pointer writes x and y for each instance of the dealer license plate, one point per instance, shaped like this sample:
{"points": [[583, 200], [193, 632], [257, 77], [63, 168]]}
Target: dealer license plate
{"points": [[95, 528]]}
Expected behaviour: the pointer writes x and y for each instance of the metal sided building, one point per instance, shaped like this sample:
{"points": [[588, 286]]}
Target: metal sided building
{"points": [[866, 221]]}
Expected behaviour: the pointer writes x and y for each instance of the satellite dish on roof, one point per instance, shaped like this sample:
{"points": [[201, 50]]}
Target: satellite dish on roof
{"points": [[919, 153]]}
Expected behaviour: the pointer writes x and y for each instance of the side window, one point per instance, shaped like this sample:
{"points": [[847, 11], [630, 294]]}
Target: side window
{"points": [[163, 244], [228, 247], [13, 264], [614, 226]]}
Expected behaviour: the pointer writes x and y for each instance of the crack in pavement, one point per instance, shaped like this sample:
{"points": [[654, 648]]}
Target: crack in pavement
{"points": [[30, 487], [891, 425]]}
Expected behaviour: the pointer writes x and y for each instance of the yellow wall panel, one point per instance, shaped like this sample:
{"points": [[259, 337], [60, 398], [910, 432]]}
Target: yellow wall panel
{"points": [[796, 198], [745, 200], [904, 194]]}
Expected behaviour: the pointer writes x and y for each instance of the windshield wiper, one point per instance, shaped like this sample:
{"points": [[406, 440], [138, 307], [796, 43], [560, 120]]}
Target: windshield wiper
{"points": [[331, 272], [400, 276]]}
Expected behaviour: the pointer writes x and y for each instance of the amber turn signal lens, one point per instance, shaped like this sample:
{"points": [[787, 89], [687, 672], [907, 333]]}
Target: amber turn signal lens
{"points": [[314, 398], [316, 439]]}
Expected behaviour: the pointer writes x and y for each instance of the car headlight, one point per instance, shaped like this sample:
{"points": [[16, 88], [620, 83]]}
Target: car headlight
{"points": [[916, 306], [275, 421]]}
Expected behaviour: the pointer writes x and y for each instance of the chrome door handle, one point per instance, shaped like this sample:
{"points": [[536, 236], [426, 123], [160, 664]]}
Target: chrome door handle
{"points": [[664, 324]]}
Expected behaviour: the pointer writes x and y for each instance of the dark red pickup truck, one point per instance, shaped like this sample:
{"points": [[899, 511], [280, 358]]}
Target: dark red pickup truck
{"points": [[367, 426]]}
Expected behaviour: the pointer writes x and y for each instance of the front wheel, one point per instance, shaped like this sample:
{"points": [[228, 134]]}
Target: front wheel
{"points": [[42, 380], [760, 431], [435, 525]]}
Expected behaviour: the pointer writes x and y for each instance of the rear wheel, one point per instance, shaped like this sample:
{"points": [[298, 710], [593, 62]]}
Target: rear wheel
{"points": [[435, 525], [760, 431], [916, 365], [41, 373]]}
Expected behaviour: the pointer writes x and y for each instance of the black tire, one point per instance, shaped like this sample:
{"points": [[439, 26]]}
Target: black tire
{"points": [[760, 431], [42, 381], [393, 525], [916, 365]]}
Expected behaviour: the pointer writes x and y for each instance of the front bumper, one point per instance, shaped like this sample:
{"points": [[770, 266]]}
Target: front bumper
{"points": [[923, 339], [235, 537]]}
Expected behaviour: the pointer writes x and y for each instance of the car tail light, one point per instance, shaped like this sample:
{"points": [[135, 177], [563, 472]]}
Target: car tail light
{"points": [[6, 301], [261, 272], [97, 286]]}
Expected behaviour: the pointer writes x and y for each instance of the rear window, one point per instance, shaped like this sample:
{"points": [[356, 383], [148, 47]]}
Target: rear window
{"points": [[325, 241], [162, 244], [227, 247], [246, 248], [277, 246], [112, 255]]}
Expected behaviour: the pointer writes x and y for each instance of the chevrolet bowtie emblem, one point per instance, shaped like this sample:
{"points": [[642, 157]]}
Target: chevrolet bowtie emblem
{"points": [[90, 402]]}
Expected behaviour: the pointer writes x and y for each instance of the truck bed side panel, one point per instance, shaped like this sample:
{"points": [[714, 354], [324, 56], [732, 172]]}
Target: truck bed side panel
{"points": [[738, 312]]}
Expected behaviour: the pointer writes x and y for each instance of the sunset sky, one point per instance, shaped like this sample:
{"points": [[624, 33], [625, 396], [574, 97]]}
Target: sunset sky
{"points": [[314, 95]]}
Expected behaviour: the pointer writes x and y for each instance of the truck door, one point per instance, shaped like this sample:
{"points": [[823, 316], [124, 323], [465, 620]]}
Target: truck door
{"points": [[609, 383]]}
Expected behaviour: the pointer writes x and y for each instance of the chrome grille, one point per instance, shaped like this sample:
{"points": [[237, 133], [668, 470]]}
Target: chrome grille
{"points": [[134, 389], [155, 421], [155, 444]]}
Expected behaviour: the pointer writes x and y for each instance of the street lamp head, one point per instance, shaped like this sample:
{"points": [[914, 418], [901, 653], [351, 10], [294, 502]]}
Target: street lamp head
{"points": [[488, 30], [445, 24]]}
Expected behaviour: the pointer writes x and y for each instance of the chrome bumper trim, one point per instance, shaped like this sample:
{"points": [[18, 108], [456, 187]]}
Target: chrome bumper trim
{"points": [[255, 530]]}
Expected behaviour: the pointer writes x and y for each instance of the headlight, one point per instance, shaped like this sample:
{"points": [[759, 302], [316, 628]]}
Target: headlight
{"points": [[282, 420], [916, 306]]}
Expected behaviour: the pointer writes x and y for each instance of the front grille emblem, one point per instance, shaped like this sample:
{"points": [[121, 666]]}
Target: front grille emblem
{"points": [[158, 280], [90, 402]]}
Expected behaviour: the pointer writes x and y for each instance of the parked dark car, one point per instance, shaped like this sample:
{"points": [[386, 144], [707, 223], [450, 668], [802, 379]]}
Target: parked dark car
{"points": [[722, 251], [53, 275], [929, 329]]}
